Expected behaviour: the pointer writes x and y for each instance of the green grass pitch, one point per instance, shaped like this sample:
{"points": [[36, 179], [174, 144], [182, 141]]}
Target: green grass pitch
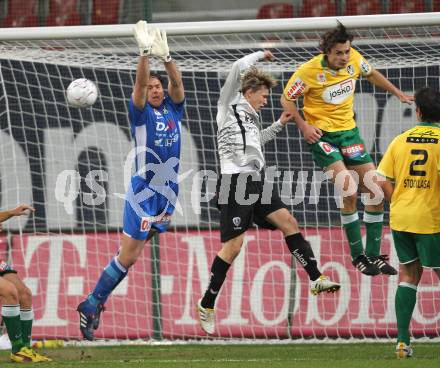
{"points": [[359, 355]]}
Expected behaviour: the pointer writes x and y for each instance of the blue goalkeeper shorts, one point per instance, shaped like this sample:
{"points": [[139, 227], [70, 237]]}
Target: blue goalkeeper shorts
{"points": [[147, 208]]}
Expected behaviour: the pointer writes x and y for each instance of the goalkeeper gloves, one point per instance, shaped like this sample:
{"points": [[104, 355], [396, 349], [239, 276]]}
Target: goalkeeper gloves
{"points": [[144, 37], [160, 45]]}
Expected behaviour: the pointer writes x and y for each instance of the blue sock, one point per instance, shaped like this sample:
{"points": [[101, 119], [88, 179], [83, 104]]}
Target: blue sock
{"points": [[112, 275]]}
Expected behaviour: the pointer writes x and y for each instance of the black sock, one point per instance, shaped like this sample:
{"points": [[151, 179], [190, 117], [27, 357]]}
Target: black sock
{"points": [[219, 269], [303, 252]]}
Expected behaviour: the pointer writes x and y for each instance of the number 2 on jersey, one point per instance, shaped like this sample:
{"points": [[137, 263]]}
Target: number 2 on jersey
{"points": [[418, 162]]}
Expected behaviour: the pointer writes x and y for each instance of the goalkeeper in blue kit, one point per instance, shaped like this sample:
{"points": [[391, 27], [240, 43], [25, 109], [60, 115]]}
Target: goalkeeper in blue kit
{"points": [[155, 119]]}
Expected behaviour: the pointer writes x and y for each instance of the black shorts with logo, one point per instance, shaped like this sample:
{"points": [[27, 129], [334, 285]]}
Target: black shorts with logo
{"points": [[249, 200]]}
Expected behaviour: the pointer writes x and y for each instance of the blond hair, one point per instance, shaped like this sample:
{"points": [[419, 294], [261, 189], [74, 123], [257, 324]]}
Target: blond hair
{"points": [[255, 78]]}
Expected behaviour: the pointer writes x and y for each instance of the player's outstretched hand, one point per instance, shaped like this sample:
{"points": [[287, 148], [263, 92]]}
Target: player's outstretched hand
{"points": [[144, 37], [160, 45], [22, 209], [311, 133], [268, 56], [406, 98], [286, 117]]}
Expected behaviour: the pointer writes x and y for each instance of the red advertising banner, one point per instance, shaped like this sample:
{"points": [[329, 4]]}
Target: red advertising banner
{"points": [[263, 298], [61, 270], [266, 295]]}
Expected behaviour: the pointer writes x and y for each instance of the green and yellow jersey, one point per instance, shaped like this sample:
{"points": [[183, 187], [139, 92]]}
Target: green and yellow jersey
{"points": [[412, 161], [328, 94]]}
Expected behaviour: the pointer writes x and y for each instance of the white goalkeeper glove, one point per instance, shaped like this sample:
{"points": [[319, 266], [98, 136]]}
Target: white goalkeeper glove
{"points": [[160, 46], [144, 37]]}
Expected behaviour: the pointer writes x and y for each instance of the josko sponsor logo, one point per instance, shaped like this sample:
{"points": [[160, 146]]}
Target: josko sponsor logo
{"points": [[354, 150], [338, 93], [327, 148], [296, 89]]}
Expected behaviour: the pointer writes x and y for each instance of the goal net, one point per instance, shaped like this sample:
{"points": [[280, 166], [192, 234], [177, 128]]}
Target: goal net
{"points": [[71, 164]]}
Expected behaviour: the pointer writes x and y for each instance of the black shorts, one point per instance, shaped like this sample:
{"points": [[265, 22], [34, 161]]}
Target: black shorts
{"points": [[246, 202]]}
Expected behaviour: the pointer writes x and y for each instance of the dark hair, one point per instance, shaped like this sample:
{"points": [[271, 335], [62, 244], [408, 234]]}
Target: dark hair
{"points": [[158, 77], [428, 101], [334, 36]]}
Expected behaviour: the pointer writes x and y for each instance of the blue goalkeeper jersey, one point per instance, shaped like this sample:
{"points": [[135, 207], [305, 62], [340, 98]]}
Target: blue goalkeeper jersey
{"points": [[157, 136], [152, 194]]}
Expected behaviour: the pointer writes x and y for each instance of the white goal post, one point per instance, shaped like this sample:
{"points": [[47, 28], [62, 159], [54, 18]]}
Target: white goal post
{"points": [[70, 164]]}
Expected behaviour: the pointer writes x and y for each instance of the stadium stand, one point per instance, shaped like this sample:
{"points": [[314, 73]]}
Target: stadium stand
{"points": [[360, 7], [106, 11], [63, 13], [21, 14], [276, 10], [399, 6], [323, 8]]}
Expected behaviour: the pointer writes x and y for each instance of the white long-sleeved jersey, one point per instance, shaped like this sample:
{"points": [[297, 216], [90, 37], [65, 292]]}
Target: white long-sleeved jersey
{"points": [[239, 137]]}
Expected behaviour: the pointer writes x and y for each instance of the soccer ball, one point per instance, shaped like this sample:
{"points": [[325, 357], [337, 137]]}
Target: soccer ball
{"points": [[81, 92]]}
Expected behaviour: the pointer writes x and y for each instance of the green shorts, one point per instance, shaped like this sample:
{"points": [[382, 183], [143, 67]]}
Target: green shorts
{"points": [[424, 247], [346, 146]]}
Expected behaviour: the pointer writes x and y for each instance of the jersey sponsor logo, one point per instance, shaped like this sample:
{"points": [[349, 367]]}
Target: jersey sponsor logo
{"points": [[171, 124], [338, 93], [421, 140], [166, 133], [365, 67], [424, 135], [327, 147], [424, 132], [320, 77], [355, 150], [173, 139], [296, 89], [162, 127], [350, 69]]}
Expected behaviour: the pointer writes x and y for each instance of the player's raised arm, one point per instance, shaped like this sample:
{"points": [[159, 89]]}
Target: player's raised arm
{"points": [[144, 38], [380, 81], [233, 81], [162, 51]]}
